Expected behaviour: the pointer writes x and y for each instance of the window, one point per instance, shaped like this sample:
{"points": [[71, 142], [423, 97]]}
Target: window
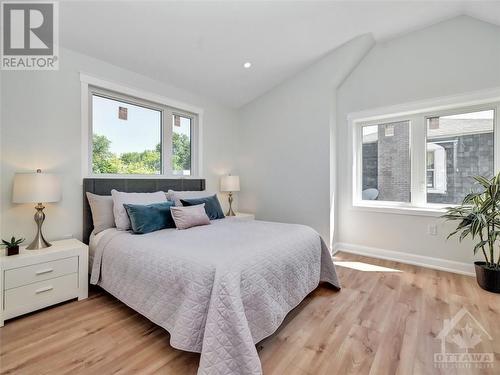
{"points": [[130, 136], [461, 146], [430, 177], [424, 159], [126, 138], [436, 172], [386, 162]]}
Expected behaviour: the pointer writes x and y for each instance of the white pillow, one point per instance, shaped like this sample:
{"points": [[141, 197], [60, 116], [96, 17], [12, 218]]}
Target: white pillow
{"points": [[189, 216], [120, 198], [101, 207], [176, 196]]}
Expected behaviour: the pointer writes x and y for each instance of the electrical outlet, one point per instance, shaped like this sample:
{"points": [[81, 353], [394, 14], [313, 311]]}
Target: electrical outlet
{"points": [[432, 229]]}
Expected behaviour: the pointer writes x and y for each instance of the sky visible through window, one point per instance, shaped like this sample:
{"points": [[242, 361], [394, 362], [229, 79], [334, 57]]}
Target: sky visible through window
{"points": [[141, 131]]}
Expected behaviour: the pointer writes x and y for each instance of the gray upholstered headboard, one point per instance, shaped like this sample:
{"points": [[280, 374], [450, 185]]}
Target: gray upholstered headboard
{"points": [[103, 186]]}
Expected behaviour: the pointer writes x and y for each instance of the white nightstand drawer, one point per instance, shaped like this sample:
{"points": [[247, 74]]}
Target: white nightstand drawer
{"points": [[38, 272], [41, 294]]}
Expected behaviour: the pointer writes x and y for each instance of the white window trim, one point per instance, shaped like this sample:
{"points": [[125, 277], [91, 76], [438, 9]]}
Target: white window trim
{"points": [[88, 82], [416, 112]]}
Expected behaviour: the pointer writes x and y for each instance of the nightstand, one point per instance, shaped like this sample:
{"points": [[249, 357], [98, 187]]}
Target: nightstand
{"points": [[242, 216], [35, 279]]}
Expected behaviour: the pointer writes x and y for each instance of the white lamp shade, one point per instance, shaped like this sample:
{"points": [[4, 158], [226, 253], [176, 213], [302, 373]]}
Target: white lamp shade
{"points": [[36, 188], [230, 183]]}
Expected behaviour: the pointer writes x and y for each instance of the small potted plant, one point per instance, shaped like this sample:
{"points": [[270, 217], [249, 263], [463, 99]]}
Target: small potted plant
{"points": [[479, 218], [13, 245]]}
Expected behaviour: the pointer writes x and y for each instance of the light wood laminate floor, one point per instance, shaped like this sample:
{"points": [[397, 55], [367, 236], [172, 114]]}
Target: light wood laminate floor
{"points": [[383, 321]]}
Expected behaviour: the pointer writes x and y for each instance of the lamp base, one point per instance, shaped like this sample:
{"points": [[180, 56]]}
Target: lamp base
{"points": [[39, 242], [230, 212]]}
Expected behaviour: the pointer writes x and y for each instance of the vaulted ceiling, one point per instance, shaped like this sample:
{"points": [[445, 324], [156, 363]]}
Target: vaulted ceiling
{"points": [[202, 46]]}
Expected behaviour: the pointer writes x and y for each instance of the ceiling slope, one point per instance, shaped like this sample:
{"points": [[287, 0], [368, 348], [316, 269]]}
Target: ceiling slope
{"points": [[201, 46]]}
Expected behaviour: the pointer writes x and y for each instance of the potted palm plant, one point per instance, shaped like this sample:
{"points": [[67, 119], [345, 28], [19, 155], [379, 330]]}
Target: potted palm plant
{"points": [[479, 219]]}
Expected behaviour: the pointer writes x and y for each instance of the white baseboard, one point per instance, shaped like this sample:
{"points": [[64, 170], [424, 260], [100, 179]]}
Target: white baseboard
{"points": [[408, 258]]}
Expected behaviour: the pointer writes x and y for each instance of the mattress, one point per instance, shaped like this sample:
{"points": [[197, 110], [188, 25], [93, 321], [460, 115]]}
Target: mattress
{"points": [[218, 289]]}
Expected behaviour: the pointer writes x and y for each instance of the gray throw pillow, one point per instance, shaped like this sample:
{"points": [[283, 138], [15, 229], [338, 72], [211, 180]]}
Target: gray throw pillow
{"points": [[101, 207], [176, 196], [120, 198]]}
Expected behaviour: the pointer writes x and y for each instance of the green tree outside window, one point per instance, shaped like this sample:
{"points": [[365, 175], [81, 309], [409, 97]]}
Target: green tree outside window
{"points": [[145, 162]]}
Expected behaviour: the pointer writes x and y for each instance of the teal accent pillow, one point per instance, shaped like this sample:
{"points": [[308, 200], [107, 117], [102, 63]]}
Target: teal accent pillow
{"points": [[212, 206], [147, 218]]}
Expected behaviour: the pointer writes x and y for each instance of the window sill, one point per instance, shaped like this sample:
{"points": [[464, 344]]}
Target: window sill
{"points": [[430, 211]]}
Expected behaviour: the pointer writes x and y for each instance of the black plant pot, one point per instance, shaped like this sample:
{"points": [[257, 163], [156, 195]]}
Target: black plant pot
{"points": [[14, 250], [487, 279]]}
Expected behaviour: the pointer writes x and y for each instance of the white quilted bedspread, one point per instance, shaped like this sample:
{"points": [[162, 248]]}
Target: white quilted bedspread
{"points": [[218, 289]]}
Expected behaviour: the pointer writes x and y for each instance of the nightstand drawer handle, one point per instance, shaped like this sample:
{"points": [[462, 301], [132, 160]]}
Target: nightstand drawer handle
{"points": [[44, 271], [42, 290]]}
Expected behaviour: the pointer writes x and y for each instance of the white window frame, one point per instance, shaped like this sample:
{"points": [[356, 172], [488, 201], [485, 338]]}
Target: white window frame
{"points": [[95, 86], [417, 114]]}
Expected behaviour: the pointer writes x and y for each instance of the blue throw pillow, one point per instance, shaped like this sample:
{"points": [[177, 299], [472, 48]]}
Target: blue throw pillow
{"points": [[150, 217], [212, 206]]}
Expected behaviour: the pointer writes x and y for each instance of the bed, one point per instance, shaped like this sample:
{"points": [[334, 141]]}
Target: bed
{"points": [[217, 289]]}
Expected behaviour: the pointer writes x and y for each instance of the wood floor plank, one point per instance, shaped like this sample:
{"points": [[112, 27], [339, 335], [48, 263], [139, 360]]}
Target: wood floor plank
{"points": [[380, 323]]}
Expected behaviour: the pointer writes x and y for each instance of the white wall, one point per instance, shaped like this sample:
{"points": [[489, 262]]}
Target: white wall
{"points": [[458, 56], [284, 148], [41, 128]]}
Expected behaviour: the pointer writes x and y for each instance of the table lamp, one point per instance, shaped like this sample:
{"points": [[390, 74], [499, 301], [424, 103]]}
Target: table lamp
{"points": [[230, 184], [37, 188]]}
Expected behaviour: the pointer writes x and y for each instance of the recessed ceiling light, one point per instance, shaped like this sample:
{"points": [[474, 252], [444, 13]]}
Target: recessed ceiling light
{"points": [[247, 65]]}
